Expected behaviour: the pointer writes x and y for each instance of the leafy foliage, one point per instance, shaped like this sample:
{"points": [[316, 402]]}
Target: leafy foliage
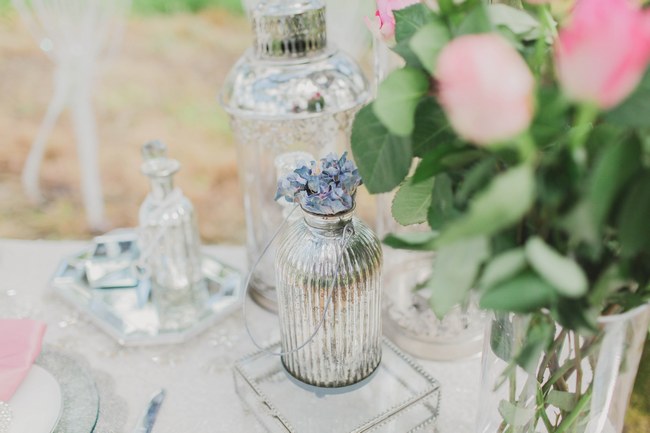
{"points": [[555, 219]]}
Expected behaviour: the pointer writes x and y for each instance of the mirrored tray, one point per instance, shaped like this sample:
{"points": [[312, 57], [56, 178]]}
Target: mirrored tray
{"points": [[399, 397], [131, 320]]}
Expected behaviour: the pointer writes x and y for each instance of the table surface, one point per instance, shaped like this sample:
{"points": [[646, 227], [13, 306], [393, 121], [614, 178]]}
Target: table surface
{"points": [[197, 374]]}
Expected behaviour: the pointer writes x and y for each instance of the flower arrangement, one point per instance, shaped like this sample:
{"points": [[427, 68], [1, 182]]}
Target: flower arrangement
{"points": [[530, 129], [326, 188]]}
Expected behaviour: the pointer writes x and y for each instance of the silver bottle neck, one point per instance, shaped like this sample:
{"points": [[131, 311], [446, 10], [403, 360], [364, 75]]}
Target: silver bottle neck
{"points": [[328, 225]]}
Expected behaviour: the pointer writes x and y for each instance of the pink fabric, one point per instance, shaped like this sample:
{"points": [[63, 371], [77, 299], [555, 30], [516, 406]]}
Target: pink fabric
{"points": [[20, 344]]}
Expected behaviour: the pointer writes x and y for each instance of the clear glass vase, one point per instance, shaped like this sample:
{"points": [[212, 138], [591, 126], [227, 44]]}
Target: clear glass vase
{"points": [[581, 384], [312, 261], [409, 320]]}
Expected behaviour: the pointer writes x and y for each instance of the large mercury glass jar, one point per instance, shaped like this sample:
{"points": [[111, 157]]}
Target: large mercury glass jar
{"points": [[290, 94], [319, 256]]}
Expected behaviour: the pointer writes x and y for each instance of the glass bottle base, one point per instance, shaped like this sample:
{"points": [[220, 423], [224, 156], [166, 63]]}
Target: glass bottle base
{"points": [[337, 385]]}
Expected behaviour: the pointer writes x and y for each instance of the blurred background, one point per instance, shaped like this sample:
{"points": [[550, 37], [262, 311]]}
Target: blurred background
{"points": [[163, 84]]}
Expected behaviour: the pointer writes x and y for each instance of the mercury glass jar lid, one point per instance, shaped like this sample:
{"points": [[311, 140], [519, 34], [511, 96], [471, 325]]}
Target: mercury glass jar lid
{"points": [[289, 29], [290, 72]]}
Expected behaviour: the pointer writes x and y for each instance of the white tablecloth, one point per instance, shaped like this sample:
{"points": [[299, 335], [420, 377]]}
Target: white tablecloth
{"points": [[197, 375]]}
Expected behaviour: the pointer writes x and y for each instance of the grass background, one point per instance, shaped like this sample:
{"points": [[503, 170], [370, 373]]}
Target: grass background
{"points": [[173, 6], [145, 7]]}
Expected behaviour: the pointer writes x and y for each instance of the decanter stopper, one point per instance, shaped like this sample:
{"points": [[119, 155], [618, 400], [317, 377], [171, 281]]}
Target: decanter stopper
{"points": [[154, 149]]}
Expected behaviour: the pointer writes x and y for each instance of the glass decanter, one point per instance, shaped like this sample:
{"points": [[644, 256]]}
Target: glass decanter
{"points": [[170, 248], [319, 255]]}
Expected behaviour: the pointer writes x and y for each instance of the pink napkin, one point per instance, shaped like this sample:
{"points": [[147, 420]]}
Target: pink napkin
{"points": [[20, 344]]}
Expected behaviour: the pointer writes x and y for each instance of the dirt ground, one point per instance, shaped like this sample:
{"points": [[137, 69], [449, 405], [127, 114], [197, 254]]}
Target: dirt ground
{"points": [[163, 85]]}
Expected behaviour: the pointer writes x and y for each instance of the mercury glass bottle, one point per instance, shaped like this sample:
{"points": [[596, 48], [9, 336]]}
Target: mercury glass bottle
{"points": [[290, 92], [169, 242], [316, 256]]}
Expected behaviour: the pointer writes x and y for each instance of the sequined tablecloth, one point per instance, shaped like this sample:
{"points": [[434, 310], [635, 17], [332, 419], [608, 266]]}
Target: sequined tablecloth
{"points": [[198, 375]]}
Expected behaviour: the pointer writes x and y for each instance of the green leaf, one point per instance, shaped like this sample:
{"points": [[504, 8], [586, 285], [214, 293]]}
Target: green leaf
{"points": [[539, 336], [608, 283], [617, 165], [462, 158], [502, 267], [431, 128], [512, 38], [411, 19], [550, 124], [442, 207], [403, 49], [419, 241], [515, 416], [398, 97], [634, 217], [504, 202], [518, 21], [454, 272], [412, 201], [523, 293], [444, 157], [634, 112], [432, 163], [408, 22], [383, 159], [476, 21], [502, 336], [576, 314], [428, 42], [562, 400], [562, 272], [580, 225], [475, 178]]}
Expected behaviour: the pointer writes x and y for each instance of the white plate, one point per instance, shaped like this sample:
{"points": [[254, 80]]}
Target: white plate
{"points": [[36, 406]]}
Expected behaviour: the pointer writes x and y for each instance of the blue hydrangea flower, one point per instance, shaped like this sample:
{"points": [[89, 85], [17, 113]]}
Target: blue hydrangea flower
{"points": [[327, 188]]}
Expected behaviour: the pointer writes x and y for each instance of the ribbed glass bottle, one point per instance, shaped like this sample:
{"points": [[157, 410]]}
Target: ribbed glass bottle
{"points": [[311, 257]]}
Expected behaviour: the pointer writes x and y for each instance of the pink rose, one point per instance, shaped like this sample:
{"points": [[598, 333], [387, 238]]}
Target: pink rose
{"points": [[384, 15], [603, 52], [485, 88]]}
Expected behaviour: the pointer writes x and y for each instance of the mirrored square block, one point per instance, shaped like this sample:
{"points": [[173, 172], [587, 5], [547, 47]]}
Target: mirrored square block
{"points": [[126, 313], [399, 397]]}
